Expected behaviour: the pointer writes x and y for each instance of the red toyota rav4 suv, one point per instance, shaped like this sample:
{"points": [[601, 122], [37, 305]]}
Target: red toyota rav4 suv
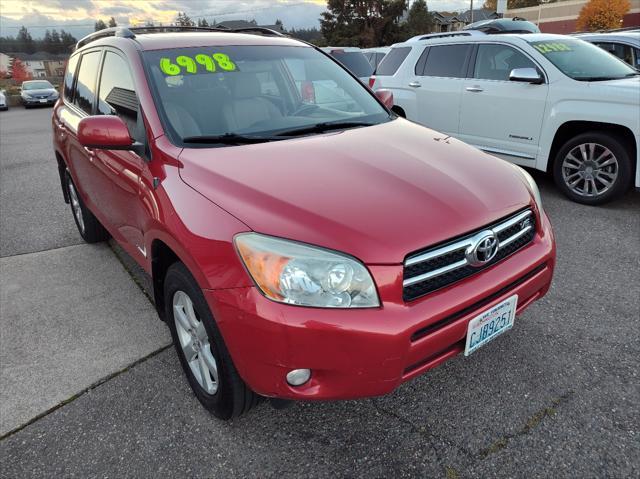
{"points": [[304, 242]]}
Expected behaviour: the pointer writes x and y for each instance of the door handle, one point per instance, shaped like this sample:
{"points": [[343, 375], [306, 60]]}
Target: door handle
{"points": [[90, 153], [415, 84], [474, 89]]}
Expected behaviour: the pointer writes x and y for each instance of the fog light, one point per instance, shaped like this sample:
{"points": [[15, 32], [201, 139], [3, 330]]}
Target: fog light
{"points": [[297, 377]]}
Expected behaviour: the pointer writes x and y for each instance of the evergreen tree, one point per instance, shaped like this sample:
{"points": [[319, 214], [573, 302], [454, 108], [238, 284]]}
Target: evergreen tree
{"points": [[183, 20], [203, 23], [112, 22], [56, 44], [99, 25], [419, 20], [362, 23], [25, 41], [67, 40]]}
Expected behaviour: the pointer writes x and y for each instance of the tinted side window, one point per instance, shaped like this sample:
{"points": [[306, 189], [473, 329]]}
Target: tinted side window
{"points": [[623, 52], [495, 62], [392, 61], [69, 76], [117, 94], [86, 84], [447, 61]]}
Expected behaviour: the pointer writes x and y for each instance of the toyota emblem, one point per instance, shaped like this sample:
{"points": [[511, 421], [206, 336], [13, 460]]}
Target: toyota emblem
{"points": [[484, 249]]}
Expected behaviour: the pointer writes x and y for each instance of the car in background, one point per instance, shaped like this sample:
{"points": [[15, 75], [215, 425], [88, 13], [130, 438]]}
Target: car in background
{"points": [[625, 44], [4, 101], [375, 55], [550, 102], [38, 93], [353, 60]]}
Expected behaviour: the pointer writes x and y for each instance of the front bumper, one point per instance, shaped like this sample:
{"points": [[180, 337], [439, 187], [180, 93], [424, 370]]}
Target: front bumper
{"points": [[369, 352], [38, 101]]}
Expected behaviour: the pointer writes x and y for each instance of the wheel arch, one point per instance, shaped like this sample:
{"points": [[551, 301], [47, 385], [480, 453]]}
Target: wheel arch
{"points": [[62, 169], [570, 129], [162, 257]]}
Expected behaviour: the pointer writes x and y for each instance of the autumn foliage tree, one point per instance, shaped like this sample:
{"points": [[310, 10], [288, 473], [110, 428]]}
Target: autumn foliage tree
{"points": [[19, 71], [602, 14]]}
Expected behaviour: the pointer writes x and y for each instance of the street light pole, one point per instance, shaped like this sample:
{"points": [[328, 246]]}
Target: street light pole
{"points": [[471, 12]]}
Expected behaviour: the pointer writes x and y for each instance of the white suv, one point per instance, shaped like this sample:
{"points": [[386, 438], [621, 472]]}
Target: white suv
{"points": [[544, 101]]}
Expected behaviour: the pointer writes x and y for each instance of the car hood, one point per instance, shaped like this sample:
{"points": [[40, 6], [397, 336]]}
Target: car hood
{"points": [[625, 90], [376, 193], [40, 91]]}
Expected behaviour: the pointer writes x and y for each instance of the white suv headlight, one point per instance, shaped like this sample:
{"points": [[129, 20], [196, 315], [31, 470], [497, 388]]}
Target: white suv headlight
{"points": [[533, 186], [295, 273]]}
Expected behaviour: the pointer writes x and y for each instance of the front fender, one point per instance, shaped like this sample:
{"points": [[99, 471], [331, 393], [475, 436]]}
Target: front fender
{"points": [[606, 111]]}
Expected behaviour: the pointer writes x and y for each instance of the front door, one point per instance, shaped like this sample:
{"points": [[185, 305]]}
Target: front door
{"points": [[500, 116], [122, 168]]}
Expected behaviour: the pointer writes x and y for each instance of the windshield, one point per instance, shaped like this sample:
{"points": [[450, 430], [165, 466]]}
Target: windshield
{"points": [[36, 85], [356, 62], [583, 61], [255, 91]]}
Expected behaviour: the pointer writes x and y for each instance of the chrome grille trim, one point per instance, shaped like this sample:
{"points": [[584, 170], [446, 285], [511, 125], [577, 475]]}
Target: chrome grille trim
{"points": [[462, 246]]}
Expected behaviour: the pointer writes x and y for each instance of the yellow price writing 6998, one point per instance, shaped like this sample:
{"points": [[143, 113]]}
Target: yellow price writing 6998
{"points": [[202, 61]]}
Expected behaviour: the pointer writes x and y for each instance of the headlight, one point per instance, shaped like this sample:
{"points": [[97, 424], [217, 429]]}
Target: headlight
{"points": [[533, 186], [26, 95], [295, 273], [54, 94]]}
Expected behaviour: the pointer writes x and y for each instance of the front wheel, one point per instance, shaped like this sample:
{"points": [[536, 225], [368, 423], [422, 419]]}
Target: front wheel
{"points": [[203, 354], [593, 168]]}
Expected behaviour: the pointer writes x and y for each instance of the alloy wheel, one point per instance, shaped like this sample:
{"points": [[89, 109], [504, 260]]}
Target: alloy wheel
{"points": [[194, 342], [590, 169]]}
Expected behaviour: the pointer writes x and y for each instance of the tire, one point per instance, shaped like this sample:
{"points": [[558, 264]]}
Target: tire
{"points": [[593, 168], [88, 225], [223, 392]]}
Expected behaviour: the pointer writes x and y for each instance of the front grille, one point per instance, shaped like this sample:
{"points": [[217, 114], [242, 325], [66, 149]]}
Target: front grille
{"points": [[440, 266]]}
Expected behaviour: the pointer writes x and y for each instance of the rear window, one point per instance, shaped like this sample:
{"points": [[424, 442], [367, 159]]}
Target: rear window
{"points": [[447, 61], [355, 62], [69, 76], [86, 84], [392, 61]]}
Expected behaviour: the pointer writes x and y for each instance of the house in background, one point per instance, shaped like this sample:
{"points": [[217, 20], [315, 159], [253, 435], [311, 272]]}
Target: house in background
{"points": [[452, 22], [561, 17], [38, 65]]}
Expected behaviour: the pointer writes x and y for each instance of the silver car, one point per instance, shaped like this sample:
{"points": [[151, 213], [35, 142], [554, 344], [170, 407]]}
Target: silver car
{"points": [[38, 92], [625, 44]]}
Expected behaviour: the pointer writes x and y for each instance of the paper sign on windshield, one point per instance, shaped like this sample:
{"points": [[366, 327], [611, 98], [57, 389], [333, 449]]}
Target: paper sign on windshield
{"points": [[200, 63], [552, 47]]}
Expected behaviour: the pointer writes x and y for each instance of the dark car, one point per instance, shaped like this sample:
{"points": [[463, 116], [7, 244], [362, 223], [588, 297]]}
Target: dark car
{"points": [[38, 92]]}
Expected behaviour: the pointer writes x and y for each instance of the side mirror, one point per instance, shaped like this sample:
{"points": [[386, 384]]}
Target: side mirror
{"points": [[386, 97], [106, 132], [526, 75]]}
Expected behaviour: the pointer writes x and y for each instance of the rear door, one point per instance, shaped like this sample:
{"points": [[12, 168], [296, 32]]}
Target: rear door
{"points": [[121, 170], [501, 116], [79, 105], [439, 76]]}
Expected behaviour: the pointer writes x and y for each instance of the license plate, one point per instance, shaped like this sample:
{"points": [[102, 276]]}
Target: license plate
{"points": [[43, 101], [490, 324]]}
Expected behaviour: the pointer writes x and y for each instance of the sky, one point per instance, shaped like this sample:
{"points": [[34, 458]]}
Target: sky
{"points": [[77, 16]]}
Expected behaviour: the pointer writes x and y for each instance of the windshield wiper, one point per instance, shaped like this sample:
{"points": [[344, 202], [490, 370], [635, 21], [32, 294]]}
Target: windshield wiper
{"points": [[323, 127], [600, 78], [230, 139]]}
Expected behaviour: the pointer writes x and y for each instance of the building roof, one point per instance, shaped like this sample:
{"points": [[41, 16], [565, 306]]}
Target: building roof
{"points": [[39, 56]]}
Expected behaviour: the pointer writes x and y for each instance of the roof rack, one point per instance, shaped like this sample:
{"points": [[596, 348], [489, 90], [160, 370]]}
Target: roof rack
{"points": [[458, 33], [130, 32]]}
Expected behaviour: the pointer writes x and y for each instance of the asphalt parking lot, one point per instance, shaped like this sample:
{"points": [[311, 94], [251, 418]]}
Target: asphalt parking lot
{"points": [[90, 387]]}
